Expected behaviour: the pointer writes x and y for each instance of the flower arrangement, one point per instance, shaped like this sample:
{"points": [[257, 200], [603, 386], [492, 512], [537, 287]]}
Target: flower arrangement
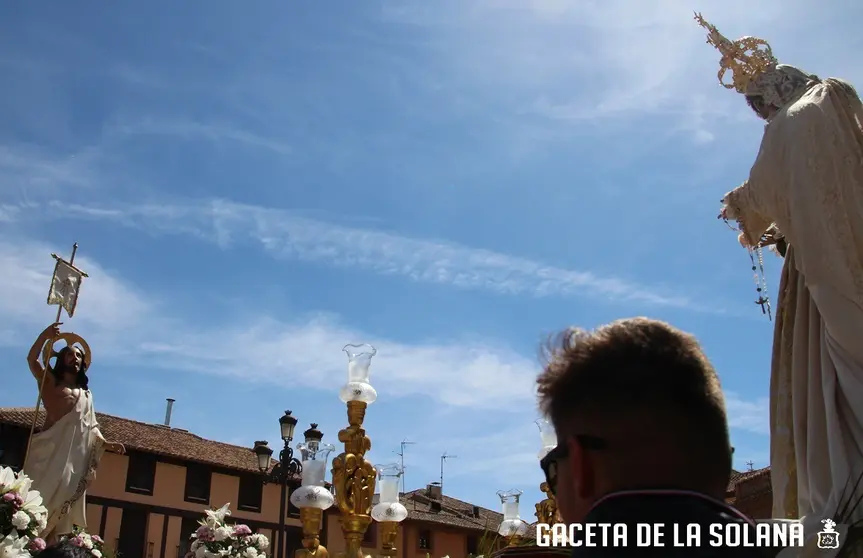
{"points": [[82, 539], [22, 516], [215, 538]]}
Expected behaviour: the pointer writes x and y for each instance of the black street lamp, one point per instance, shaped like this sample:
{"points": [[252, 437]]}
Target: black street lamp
{"points": [[286, 471]]}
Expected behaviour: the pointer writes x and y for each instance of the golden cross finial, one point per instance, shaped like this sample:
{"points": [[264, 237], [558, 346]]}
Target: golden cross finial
{"points": [[747, 57]]}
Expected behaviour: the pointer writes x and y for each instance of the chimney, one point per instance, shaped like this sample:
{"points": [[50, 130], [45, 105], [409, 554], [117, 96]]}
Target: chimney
{"points": [[168, 412], [476, 511], [433, 491]]}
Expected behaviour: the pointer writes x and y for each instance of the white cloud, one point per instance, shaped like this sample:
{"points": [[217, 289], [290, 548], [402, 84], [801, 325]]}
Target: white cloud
{"points": [[187, 129], [751, 416], [122, 323], [287, 235], [573, 61]]}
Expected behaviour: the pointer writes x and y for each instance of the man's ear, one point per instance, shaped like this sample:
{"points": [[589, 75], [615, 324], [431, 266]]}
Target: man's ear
{"points": [[582, 469]]}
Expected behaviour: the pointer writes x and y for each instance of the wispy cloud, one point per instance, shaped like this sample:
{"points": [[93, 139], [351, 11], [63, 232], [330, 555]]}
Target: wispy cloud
{"points": [[126, 322], [751, 416], [575, 61], [186, 129], [286, 235]]}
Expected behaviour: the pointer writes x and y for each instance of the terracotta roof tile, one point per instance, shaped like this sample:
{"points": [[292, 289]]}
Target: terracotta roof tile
{"points": [[157, 439]]}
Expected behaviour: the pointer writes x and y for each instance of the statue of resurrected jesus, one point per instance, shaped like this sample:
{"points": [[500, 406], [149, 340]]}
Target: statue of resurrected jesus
{"points": [[63, 457]]}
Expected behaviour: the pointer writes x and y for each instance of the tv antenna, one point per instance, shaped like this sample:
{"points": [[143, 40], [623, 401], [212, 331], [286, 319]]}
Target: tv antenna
{"points": [[401, 454], [443, 459], [751, 465]]}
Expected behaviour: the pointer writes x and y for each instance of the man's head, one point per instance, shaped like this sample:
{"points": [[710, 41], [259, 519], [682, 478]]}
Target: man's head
{"points": [[64, 549], [71, 367], [636, 405]]}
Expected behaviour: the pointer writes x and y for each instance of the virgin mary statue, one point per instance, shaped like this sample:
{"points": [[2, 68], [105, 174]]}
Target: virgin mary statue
{"points": [[807, 185]]}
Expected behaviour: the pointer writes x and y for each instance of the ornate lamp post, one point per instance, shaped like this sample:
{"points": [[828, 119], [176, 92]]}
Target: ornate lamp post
{"points": [[286, 470], [353, 475], [313, 497], [513, 527], [389, 511], [546, 511]]}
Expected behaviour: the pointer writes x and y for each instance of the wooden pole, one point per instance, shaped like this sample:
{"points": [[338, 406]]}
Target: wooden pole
{"points": [[45, 373]]}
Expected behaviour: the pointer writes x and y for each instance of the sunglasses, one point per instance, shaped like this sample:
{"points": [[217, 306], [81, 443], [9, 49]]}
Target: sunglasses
{"points": [[550, 462]]}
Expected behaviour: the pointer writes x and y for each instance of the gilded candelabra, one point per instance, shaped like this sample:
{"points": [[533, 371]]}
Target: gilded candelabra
{"points": [[353, 475], [546, 510]]}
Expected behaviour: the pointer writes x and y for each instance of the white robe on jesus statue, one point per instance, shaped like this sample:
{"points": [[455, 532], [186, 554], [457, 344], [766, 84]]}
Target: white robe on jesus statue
{"points": [[62, 462]]}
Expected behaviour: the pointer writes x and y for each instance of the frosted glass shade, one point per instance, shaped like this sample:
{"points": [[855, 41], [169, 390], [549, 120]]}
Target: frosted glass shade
{"points": [[512, 528], [359, 387], [312, 497], [315, 456], [393, 511], [548, 437]]}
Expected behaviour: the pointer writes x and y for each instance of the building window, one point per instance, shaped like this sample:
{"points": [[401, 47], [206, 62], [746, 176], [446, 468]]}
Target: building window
{"points": [[14, 446], [370, 539], [425, 539], [251, 493], [141, 473], [472, 545], [293, 511], [197, 484]]}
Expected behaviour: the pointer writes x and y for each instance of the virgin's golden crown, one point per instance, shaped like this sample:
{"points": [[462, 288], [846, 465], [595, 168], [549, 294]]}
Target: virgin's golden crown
{"points": [[747, 57]]}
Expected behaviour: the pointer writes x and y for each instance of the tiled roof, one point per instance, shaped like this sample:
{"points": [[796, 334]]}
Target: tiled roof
{"points": [[157, 439], [738, 479]]}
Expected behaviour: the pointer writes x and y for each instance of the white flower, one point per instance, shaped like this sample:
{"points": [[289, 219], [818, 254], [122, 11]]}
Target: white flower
{"points": [[218, 516], [261, 541], [7, 478], [13, 546], [96, 553], [222, 533], [88, 542], [201, 552], [20, 520], [33, 503], [251, 552]]}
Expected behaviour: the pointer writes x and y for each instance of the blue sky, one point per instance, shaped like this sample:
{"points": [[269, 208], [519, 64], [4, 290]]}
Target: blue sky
{"points": [[253, 185]]}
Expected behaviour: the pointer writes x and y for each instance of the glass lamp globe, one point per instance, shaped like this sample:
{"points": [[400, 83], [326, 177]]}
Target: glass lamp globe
{"points": [[358, 387], [547, 435], [263, 453], [313, 493], [512, 524], [389, 508]]}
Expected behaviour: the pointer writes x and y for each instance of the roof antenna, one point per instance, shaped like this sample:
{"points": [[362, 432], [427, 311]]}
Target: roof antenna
{"points": [[443, 459], [401, 454]]}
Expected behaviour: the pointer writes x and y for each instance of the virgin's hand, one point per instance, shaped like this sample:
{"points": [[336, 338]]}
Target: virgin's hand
{"points": [[723, 213], [741, 238]]}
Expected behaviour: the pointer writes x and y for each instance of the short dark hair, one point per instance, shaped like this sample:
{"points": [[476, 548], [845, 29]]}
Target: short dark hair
{"points": [[64, 549], [644, 382]]}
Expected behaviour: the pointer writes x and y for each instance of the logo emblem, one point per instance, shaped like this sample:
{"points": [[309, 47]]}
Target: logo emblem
{"points": [[828, 538]]}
